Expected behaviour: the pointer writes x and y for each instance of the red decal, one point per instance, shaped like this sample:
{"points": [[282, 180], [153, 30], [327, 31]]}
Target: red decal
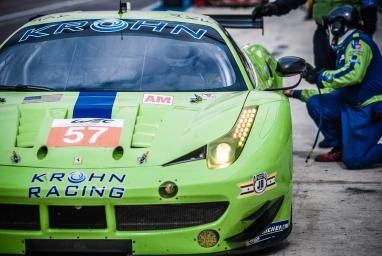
{"points": [[157, 99], [85, 133]]}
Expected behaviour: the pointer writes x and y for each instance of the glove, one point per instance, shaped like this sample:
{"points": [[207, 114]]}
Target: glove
{"points": [[310, 74], [265, 10], [369, 17]]}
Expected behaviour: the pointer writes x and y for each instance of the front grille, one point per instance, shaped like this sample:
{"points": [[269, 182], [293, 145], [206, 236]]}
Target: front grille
{"points": [[91, 217], [19, 217], [171, 216]]}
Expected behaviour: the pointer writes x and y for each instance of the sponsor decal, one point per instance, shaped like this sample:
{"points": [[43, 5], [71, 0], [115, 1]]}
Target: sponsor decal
{"points": [[77, 184], [204, 97], [109, 26], [356, 45], [258, 185], [207, 96], [85, 132], [42, 98], [157, 99], [270, 233]]}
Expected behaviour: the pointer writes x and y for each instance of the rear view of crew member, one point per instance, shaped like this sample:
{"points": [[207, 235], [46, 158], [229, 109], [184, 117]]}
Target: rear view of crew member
{"points": [[352, 113]]}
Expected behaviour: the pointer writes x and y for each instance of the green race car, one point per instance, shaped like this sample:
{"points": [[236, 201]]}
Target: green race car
{"points": [[142, 133]]}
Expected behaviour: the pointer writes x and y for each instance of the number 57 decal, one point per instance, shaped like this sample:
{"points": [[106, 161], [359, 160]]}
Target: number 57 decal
{"points": [[85, 132]]}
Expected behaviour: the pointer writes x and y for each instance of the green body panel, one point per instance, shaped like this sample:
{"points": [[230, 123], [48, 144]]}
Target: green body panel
{"points": [[265, 66], [322, 7], [167, 132]]}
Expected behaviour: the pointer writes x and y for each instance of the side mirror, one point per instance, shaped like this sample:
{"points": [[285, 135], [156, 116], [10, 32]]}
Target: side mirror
{"points": [[290, 66]]}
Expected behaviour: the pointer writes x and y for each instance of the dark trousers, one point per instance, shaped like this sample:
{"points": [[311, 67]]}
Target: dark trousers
{"points": [[324, 56], [356, 130]]}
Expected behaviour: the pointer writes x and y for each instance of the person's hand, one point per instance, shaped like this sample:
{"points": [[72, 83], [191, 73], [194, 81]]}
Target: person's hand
{"points": [[310, 74], [264, 10], [288, 93]]}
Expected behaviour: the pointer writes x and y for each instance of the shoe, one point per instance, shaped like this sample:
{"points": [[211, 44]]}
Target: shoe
{"points": [[325, 143], [335, 155]]}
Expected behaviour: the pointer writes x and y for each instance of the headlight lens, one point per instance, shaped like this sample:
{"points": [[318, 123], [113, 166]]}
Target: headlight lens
{"points": [[223, 153], [225, 150]]}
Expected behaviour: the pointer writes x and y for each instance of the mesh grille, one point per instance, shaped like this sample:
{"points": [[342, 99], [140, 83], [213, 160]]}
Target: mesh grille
{"points": [[19, 217], [77, 217], [157, 217]]}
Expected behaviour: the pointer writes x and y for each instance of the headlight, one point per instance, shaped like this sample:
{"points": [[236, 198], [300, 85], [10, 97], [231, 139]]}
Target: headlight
{"points": [[225, 150]]}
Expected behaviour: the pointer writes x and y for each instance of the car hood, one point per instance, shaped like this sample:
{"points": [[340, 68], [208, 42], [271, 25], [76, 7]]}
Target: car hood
{"points": [[164, 126]]}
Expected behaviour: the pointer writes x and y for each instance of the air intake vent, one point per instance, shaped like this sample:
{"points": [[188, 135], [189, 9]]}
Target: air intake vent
{"points": [[146, 127], [171, 216], [29, 125], [92, 217], [19, 217]]}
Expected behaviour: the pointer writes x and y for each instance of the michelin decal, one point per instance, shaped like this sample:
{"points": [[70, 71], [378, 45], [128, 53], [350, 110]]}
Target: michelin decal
{"points": [[270, 233]]}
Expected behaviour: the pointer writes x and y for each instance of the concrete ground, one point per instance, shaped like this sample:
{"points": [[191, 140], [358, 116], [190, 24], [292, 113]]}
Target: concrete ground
{"points": [[336, 212]]}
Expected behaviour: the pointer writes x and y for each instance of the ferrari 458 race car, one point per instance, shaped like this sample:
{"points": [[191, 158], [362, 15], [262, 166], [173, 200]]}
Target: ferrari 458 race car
{"points": [[145, 133]]}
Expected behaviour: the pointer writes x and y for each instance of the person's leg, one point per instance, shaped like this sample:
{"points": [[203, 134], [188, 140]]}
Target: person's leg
{"points": [[362, 129], [324, 56], [330, 108]]}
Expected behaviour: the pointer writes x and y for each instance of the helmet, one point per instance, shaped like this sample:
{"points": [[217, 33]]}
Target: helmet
{"points": [[341, 18], [339, 21]]}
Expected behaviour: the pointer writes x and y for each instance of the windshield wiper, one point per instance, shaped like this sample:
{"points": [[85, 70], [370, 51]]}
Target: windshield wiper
{"points": [[26, 88]]}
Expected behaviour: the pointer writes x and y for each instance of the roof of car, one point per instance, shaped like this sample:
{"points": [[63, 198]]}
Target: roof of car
{"points": [[154, 15]]}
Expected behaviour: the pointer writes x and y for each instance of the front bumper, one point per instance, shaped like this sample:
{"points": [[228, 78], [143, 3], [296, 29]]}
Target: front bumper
{"points": [[123, 246], [140, 187]]}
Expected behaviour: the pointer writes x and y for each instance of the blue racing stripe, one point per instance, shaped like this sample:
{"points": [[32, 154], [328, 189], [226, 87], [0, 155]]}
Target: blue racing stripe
{"points": [[349, 69], [94, 105]]}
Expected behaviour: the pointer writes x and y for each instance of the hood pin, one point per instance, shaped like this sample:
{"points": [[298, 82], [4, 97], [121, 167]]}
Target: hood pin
{"points": [[143, 158], [15, 158], [2, 100]]}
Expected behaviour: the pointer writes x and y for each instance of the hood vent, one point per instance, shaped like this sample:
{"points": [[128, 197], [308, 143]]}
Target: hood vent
{"points": [[146, 127], [29, 126], [30, 120]]}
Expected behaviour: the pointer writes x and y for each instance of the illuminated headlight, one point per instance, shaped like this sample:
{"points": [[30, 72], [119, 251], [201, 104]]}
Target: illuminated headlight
{"points": [[220, 155], [225, 150]]}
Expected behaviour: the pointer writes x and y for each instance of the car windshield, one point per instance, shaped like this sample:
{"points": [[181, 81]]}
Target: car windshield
{"points": [[120, 55]]}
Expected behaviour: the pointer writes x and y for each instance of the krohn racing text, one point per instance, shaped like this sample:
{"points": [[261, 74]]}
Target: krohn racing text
{"points": [[76, 184]]}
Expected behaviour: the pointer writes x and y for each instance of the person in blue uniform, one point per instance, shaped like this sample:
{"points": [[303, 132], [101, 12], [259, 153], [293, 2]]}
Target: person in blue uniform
{"points": [[352, 111], [324, 56]]}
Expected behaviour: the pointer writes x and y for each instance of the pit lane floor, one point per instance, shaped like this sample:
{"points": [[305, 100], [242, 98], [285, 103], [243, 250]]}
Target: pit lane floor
{"points": [[335, 211]]}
